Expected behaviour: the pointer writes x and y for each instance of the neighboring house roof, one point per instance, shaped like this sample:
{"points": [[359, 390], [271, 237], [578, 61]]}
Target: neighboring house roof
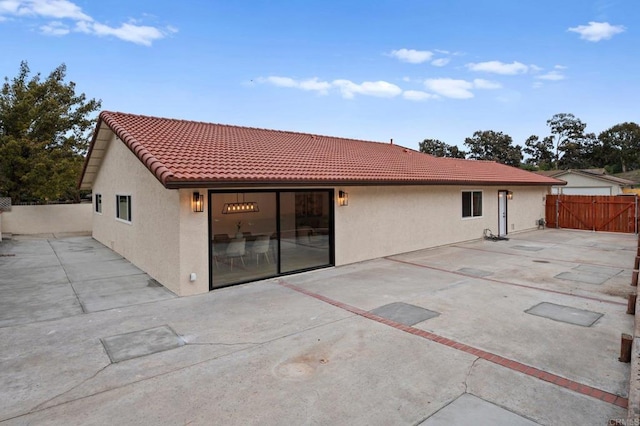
{"points": [[633, 176], [599, 174], [184, 153]]}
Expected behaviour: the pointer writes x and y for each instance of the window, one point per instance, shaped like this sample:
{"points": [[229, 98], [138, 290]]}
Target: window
{"points": [[123, 207], [471, 203], [98, 203]]}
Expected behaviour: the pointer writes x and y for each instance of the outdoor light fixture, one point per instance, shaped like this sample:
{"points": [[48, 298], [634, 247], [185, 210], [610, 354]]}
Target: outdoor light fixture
{"points": [[343, 198], [197, 203], [240, 206], [509, 195]]}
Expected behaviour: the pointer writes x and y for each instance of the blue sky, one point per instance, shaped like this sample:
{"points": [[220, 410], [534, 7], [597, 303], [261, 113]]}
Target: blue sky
{"points": [[372, 70]]}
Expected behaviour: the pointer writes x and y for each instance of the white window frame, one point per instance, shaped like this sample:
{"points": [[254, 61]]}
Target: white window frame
{"points": [[472, 191], [97, 203], [118, 218]]}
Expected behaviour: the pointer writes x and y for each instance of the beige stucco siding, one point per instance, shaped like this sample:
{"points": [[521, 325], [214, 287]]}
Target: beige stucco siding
{"points": [[585, 185], [194, 250], [48, 219], [152, 240], [381, 221]]}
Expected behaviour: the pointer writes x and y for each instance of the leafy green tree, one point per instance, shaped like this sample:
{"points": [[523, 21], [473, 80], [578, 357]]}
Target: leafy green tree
{"points": [[44, 134], [622, 143], [440, 149], [540, 152], [568, 140], [495, 146]]}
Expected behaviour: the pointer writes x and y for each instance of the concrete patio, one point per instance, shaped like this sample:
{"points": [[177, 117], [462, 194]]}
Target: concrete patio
{"points": [[525, 331]]}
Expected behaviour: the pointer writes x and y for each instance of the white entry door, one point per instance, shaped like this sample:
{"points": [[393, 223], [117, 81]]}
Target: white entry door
{"points": [[502, 213]]}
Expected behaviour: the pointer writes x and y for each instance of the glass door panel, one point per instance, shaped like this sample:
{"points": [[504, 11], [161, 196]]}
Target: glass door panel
{"points": [[244, 245], [305, 230]]}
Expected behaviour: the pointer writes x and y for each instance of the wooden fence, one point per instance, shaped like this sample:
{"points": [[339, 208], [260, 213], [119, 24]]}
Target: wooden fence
{"points": [[610, 213]]}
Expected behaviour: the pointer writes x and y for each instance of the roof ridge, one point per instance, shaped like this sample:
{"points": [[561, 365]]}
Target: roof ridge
{"points": [[237, 126]]}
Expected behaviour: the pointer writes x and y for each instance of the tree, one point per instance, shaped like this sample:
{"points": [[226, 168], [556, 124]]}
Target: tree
{"points": [[440, 149], [540, 152], [44, 135], [567, 135], [622, 141], [495, 146]]}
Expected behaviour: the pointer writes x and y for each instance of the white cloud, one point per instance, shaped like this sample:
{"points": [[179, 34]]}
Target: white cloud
{"points": [[597, 31], [412, 56], [418, 95], [381, 89], [447, 87], [279, 81], [498, 67], [139, 34], [551, 76], [440, 62], [9, 7], [486, 84], [59, 10], [55, 28], [312, 84], [560, 67], [315, 85], [450, 88], [459, 89], [347, 88]]}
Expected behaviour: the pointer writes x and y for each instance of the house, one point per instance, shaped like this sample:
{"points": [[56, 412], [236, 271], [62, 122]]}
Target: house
{"points": [[588, 182], [200, 206]]}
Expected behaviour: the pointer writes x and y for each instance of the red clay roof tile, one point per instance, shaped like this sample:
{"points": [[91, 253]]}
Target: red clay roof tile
{"points": [[188, 153]]}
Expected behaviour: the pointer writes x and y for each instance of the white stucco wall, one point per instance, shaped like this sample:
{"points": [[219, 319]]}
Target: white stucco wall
{"points": [[48, 219], [152, 240], [382, 221]]}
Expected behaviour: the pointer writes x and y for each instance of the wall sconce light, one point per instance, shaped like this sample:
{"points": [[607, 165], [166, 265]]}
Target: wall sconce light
{"points": [[509, 195], [197, 203], [343, 198]]}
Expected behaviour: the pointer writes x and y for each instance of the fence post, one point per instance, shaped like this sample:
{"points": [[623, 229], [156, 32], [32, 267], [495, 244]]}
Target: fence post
{"points": [[558, 211]]}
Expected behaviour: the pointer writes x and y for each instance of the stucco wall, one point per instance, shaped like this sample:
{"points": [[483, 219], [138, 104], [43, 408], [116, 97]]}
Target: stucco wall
{"points": [[152, 240], [47, 219], [585, 185], [381, 221], [194, 250]]}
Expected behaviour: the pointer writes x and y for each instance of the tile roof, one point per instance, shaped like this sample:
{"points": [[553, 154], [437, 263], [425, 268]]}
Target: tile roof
{"points": [[184, 153]]}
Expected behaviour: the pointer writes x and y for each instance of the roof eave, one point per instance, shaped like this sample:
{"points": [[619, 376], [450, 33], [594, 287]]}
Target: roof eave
{"points": [[238, 183]]}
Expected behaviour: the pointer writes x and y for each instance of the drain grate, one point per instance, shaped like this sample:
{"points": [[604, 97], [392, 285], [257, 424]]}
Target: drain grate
{"points": [[7, 255], [541, 261]]}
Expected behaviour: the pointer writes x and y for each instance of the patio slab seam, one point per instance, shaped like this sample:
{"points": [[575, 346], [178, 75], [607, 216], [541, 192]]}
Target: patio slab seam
{"points": [[534, 256], [525, 369], [84, 310], [493, 280]]}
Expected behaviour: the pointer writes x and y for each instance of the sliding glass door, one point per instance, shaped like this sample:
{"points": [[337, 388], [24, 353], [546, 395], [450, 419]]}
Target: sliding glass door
{"points": [[305, 228], [261, 234]]}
